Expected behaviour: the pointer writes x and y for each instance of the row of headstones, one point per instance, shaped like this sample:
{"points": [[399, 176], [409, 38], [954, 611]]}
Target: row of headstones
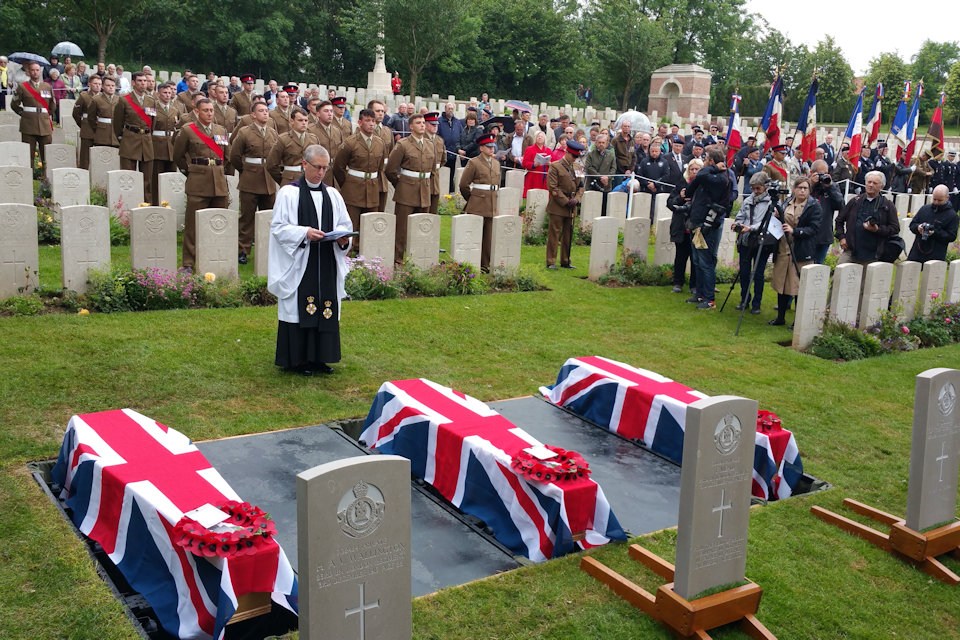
{"points": [[860, 296]]}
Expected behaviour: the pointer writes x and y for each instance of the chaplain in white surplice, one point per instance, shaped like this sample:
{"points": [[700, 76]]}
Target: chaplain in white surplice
{"points": [[306, 271]]}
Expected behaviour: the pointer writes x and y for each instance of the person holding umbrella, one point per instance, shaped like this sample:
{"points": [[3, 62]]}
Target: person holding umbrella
{"points": [[34, 103]]}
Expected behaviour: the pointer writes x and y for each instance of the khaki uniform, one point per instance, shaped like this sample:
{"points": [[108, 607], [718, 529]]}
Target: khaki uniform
{"points": [[101, 117], [81, 115], [247, 120], [164, 128], [480, 201], [286, 154], [206, 182], [281, 120], [386, 134], [185, 98], [409, 168], [440, 153], [361, 192], [770, 170], [226, 117], [921, 177], [249, 149], [345, 126], [136, 137], [563, 185], [36, 127], [242, 102], [330, 138]]}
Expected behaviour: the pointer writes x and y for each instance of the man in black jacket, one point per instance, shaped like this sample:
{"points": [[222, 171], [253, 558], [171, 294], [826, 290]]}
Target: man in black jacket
{"points": [[831, 201], [654, 170], [865, 223], [711, 192], [936, 227]]}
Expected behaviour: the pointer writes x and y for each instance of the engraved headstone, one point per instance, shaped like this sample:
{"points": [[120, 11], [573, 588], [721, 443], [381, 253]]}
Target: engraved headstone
{"points": [[9, 133], [660, 206], [590, 208], [377, 231], [15, 153], [19, 254], [124, 192], [10, 117], [934, 450], [932, 279], [59, 156], [153, 238], [217, 237], [642, 205], [171, 190], [952, 289], [536, 207], [70, 187], [603, 247], [84, 244], [636, 237], [16, 184], [506, 242], [876, 292], [423, 239], [845, 295], [905, 283], [508, 201], [715, 476], [811, 304], [466, 235], [261, 241], [514, 179], [617, 206], [353, 549], [102, 161], [664, 251]]}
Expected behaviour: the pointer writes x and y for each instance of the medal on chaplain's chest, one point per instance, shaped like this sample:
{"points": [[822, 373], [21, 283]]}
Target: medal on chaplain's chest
{"points": [[327, 311], [311, 308]]}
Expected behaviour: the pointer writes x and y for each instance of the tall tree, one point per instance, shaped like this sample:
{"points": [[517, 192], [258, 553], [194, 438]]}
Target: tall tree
{"points": [[103, 16], [626, 44], [952, 102], [932, 63], [889, 69], [837, 91]]}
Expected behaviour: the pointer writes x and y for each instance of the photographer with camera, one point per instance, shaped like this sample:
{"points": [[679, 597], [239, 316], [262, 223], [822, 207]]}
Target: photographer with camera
{"points": [[865, 223], [748, 223], [712, 195], [831, 201], [800, 217], [936, 227], [680, 204]]}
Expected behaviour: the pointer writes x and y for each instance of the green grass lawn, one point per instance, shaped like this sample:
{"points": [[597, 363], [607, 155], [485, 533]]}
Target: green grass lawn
{"points": [[210, 374]]}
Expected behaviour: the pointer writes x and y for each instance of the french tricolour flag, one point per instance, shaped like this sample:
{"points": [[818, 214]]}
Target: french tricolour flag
{"points": [[855, 132], [913, 124], [899, 125], [772, 115], [807, 125], [873, 121], [734, 136]]}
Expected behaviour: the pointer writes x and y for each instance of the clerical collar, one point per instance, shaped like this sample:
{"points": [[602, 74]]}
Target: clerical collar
{"points": [[313, 186]]}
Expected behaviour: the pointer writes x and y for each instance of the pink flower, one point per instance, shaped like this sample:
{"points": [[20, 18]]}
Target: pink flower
{"points": [[947, 320], [905, 329], [934, 295]]}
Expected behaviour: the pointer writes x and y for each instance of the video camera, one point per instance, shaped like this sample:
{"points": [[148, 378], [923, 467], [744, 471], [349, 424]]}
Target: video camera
{"points": [[776, 189]]}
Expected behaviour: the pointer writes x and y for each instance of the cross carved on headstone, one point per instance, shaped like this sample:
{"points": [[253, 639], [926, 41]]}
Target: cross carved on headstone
{"points": [[943, 456], [13, 262], [156, 258], [720, 508], [220, 259], [89, 260], [362, 609]]}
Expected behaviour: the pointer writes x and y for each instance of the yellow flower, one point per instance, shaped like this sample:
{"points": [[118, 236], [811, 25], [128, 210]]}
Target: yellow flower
{"points": [[39, 165], [143, 204], [49, 219], [448, 197], [164, 203], [209, 276], [83, 312]]}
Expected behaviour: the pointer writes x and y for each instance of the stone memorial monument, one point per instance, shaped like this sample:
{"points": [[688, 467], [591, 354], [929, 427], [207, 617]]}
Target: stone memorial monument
{"points": [[811, 304], [153, 238], [19, 253], [845, 295], [15, 153], [603, 247], [536, 210], [84, 244], [636, 237], [466, 235], [377, 232], [17, 184], [59, 156], [261, 242], [877, 279], [423, 240], [932, 279], [217, 237], [102, 161], [905, 283], [124, 192], [506, 243]]}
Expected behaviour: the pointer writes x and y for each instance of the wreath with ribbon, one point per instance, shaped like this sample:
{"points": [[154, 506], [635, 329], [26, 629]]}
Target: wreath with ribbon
{"points": [[567, 465], [768, 421], [254, 529]]}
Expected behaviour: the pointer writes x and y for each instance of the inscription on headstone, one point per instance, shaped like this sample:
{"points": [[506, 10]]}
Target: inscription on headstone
{"points": [[663, 250], [19, 256], [636, 237], [603, 247], [845, 295], [507, 240], [811, 303], [536, 207], [617, 206], [17, 184], [59, 156], [102, 161], [423, 239], [905, 284], [84, 244], [217, 237], [124, 192], [508, 201], [171, 190], [591, 207], [70, 187], [15, 153], [932, 279], [876, 292], [377, 232], [466, 234], [153, 238]]}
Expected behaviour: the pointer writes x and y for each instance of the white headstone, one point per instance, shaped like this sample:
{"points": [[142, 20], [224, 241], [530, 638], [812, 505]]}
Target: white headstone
{"points": [[233, 192], [423, 239], [952, 290], [934, 450], [932, 281], [902, 202], [153, 238], [70, 187], [102, 161], [617, 206], [466, 235], [353, 543], [905, 234], [171, 190], [508, 201], [536, 207], [811, 304], [636, 237], [84, 244], [591, 206], [16, 184], [876, 292], [905, 284], [660, 206], [19, 254], [59, 156], [506, 242], [641, 207], [377, 232], [664, 251], [261, 242], [10, 117], [124, 192], [217, 237], [445, 181], [603, 247], [727, 248], [10, 133], [514, 179], [15, 153], [715, 477]]}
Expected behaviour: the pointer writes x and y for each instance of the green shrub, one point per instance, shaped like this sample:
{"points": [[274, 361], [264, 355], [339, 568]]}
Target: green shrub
{"points": [[255, 293], [505, 280], [841, 341], [460, 279], [533, 234], [107, 290], [28, 305], [891, 332], [367, 280], [930, 332], [634, 271]]}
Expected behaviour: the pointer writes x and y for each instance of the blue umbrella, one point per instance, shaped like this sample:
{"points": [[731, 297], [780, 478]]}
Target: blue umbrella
{"points": [[23, 57]]}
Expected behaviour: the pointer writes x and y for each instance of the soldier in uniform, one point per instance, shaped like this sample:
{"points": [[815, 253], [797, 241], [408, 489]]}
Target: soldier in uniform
{"points": [[34, 102], [190, 115], [409, 168], [386, 134], [329, 135], [188, 98], [249, 149], [284, 161], [133, 124], [882, 163], [844, 169], [339, 109], [225, 116], [199, 151], [164, 128], [81, 115], [247, 120], [566, 190], [101, 114], [281, 115], [432, 121], [242, 101], [478, 185], [776, 169], [358, 166], [921, 175]]}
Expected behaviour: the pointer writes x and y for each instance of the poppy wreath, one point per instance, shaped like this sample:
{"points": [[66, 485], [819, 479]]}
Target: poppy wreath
{"points": [[768, 421], [256, 529], [568, 465]]}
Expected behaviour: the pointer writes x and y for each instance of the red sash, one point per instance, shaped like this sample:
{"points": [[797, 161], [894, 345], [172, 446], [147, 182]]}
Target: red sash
{"points": [[39, 98], [140, 112], [207, 140], [782, 172]]}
